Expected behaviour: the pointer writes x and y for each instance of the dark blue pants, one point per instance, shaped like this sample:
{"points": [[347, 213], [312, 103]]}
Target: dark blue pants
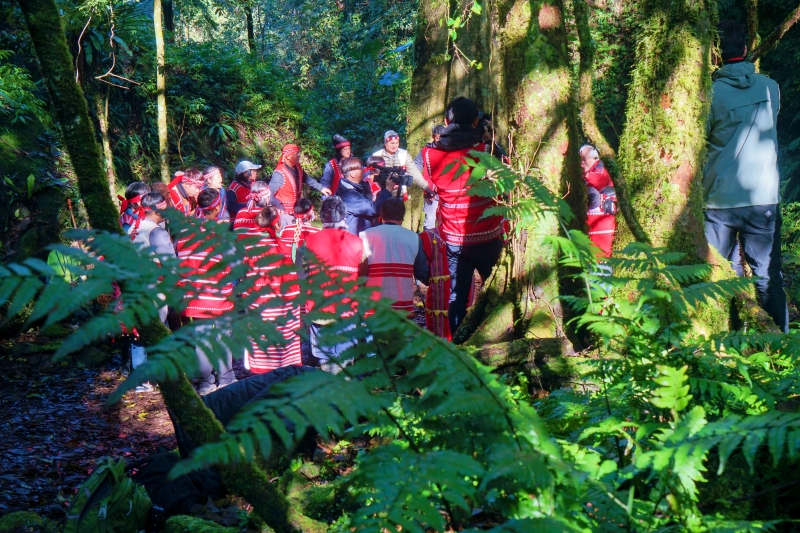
{"points": [[758, 228], [464, 261]]}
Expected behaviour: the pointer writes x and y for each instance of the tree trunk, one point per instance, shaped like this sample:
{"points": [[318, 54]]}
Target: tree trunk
{"points": [[101, 106], [251, 36], [47, 35], [663, 148], [161, 94], [538, 104], [589, 119]]}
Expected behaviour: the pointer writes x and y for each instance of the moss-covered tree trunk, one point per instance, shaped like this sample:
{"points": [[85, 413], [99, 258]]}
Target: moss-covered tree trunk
{"points": [[101, 108], [251, 36], [663, 146], [161, 94], [72, 113], [542, 121]]}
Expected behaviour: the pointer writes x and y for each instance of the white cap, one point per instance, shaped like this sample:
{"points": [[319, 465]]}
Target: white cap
{"points": [[244, 166]]}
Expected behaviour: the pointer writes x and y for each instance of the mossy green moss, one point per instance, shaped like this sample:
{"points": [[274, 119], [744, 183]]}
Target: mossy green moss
{"points": [[191, 524], [662, 149], [26, 522]]}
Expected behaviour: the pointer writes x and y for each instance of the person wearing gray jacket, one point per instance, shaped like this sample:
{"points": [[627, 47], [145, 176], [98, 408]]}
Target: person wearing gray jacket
{"points": [[741, 179]]}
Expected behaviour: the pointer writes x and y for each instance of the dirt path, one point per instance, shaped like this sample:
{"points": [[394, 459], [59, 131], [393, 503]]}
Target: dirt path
{"points": [[54, 427]]}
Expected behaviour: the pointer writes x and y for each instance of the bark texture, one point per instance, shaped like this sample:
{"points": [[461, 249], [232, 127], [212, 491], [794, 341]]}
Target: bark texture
{"points": [[101, 107], [72, 113], [161, 94], [663, 148], [251, 36]]}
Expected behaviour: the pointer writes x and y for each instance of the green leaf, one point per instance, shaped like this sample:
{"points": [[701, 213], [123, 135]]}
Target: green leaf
{"points": [[476, 8], [673, 390]]}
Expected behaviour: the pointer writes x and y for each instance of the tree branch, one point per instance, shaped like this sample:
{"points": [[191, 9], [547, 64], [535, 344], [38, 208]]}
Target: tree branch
{"points": [[773, 38]]}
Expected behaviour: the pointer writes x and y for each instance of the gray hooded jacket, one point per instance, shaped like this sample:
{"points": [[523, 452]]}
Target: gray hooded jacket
{"points": [[742, 165]]}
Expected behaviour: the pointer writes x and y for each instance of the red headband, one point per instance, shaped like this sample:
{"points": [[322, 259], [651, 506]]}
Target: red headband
{"points": [[161, 205], [211, 174], [254, 197], [341, 145], [125, 204], [390, 137], [186, 179], [290, 149], [215, 203]]}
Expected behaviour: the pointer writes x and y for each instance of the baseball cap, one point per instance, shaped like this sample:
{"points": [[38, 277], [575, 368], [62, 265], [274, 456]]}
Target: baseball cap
{"points": [[244, 166], [389, 134]]}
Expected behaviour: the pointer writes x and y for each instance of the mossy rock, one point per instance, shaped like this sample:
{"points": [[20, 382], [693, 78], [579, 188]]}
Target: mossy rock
{"points": [[325, 502], [92, 357], [25, 522], [190, 524]]}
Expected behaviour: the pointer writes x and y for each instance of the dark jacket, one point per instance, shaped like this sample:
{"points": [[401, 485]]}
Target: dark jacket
{"points": [[360, 208]]}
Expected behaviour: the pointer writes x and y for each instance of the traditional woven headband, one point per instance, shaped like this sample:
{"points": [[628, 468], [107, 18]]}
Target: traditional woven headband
{"points": [[214, 204], [186, 179], [125, 204], [211, 174], [161, 205], [341, 145]]}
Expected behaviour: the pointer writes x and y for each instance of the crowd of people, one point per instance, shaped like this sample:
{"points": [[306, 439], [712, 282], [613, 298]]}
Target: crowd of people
{"points": [[362, 238]]}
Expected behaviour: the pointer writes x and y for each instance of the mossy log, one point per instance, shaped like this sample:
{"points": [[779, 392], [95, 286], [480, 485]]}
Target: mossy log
{"points": [[191, 524], [43, 20]]}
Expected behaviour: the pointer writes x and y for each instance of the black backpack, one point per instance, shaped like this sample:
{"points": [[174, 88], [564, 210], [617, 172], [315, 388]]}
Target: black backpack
{"points": [[174, 496]]}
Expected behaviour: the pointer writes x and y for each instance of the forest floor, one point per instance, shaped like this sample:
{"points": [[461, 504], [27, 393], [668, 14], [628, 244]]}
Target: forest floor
{"points": [[55, 425]]}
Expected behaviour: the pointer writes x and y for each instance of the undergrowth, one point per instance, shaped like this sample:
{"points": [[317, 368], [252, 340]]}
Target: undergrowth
{"points": [[454, 446]]}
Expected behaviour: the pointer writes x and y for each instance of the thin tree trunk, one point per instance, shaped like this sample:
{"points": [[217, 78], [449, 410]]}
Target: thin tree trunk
{"points": [[589, 120], [47, 35], [101, 105], [161, 94], [662, 149], [251, 36], [753, 38], [773, 38]]}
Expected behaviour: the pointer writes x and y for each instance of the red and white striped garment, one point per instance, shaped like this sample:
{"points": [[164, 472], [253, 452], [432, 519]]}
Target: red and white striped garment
{"points": [[391, 250], [241, 190], [178, 201], [208, 298], [295, 234], [245, 223], [341, 253], [460, 215], [268, 287]]}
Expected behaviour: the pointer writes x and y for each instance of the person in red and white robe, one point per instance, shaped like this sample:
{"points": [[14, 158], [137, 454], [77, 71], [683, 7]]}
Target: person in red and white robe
{"points": [[269, 286], [394, 257], [245, 222], [293, 235], [330, 258], [246, 174], [332, 174], [601, 211], [474, 241], [288, 178], [183, 191], [208, 298]]}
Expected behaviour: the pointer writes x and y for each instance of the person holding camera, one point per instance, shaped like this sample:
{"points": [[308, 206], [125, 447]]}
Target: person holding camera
{"points": [[473, 241], [357, 196]]}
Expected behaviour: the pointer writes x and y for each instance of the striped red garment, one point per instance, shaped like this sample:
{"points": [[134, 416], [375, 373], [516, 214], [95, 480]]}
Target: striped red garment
{"points": [[296, 233], [241, 190], [207, 299], [245, 223], [268, 287]]}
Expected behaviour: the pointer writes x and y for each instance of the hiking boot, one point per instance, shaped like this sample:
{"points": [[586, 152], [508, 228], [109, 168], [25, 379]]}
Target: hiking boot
{"points": [[206, 388]]}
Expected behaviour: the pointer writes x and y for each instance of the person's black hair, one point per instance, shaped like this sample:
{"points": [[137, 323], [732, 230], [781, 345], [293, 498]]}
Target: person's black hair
{"points": [[393, 209], [151, 200], [333, 210], [267, 216], [303, 206], [437, 129], [137, 188], [461, 110], [375, 161], [207, 197], [732, 39], [350, 164]]}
